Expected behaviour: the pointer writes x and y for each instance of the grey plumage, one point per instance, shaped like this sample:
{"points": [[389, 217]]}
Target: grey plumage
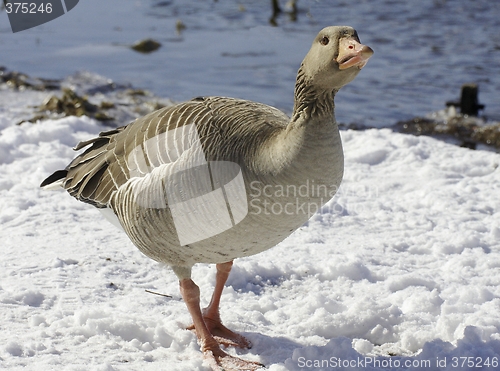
{"points": [[230, 130], [93, 176]]}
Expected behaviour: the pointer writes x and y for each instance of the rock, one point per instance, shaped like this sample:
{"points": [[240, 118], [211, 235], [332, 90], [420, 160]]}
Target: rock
{"points": [[146, 46]]}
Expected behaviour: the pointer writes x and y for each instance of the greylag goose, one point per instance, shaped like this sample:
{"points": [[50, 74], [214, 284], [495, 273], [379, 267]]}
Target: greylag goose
{"points": [[214, 179]]}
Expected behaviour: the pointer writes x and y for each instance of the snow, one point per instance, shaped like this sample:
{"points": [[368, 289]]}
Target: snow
{"points": [[400, 268]]}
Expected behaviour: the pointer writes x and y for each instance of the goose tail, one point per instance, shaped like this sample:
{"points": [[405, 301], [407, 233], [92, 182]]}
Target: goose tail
{"points": [[55, 181]]}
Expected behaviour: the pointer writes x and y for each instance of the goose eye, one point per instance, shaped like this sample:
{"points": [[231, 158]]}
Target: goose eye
{"points": [[324, 40]]}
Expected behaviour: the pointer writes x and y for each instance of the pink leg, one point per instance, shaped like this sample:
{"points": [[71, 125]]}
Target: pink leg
{"points": [[217, 358], [211, 313]]}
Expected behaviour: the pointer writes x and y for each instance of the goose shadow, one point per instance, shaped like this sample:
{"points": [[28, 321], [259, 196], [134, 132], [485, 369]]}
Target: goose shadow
{"points": [[270, 349]]}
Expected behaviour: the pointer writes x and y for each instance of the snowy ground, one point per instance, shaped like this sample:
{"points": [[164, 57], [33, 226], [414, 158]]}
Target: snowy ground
{"points": [[401, 267]]}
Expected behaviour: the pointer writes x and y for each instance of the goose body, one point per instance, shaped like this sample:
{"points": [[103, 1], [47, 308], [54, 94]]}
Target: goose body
{"points": [[214, 178], [227, 131]]}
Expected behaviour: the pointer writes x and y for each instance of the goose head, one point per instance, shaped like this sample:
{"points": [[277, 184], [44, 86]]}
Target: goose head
{"points": [[335, 58]]}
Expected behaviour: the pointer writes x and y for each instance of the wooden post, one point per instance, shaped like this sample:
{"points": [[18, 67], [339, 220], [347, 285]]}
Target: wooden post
{"points": [[469, 101]]}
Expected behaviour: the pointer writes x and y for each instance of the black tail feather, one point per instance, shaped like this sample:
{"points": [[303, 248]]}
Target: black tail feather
{"points": [[59, 174]]}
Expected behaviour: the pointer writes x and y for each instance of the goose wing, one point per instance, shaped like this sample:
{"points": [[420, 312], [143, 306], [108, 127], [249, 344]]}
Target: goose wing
{"points": [[227, 129]]}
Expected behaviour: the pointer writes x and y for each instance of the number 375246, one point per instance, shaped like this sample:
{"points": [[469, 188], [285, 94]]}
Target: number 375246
{"points": [[28, 8]]}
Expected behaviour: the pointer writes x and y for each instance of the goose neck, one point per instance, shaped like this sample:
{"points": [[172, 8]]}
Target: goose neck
{"points": [[312, 103]]}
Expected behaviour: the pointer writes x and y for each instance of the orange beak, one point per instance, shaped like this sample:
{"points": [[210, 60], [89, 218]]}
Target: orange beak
{"points": [[352, 53]]}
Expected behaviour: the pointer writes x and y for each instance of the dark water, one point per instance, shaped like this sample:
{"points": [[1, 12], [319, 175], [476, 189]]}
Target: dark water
{"points": [[424, 50]]}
